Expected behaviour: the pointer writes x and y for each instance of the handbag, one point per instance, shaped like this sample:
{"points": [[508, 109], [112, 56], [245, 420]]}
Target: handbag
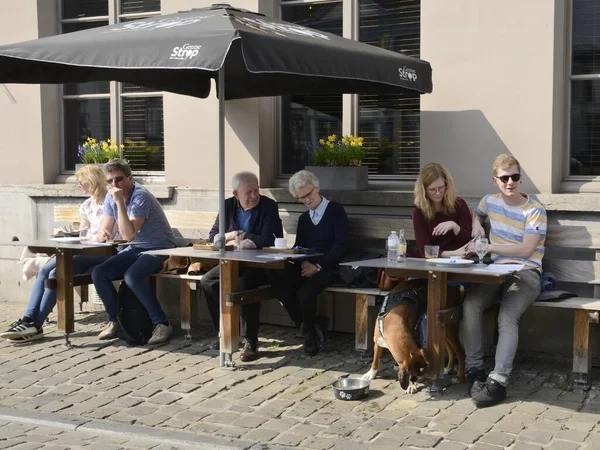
{"points": [[385, 282]]}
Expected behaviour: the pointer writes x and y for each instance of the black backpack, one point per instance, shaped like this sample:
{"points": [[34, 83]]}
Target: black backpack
{"points": [[134, 322], [358, 277]]}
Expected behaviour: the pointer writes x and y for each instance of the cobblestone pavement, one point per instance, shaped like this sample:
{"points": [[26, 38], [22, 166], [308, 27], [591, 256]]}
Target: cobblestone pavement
{"points": [[111, 395]]}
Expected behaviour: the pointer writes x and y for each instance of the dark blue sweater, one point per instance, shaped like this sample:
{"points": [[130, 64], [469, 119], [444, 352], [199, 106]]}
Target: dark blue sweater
{"points": [[329, 237]]}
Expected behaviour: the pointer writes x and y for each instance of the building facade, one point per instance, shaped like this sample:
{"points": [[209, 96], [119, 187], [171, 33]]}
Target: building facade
{"points": [[512, 76]]}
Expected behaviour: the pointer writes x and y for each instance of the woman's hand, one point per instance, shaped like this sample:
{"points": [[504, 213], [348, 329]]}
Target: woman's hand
{"points": [[445, 227], [308, 269]]}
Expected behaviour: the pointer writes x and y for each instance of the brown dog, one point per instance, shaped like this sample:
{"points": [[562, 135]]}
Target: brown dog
{"points": [[398, 325]]}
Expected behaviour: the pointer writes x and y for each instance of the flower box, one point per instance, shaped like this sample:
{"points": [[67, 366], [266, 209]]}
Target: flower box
{"points": [[341, 178]]}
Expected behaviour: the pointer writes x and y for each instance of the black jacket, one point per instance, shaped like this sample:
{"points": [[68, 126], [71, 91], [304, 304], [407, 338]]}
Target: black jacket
{"points": [[265, 222]]}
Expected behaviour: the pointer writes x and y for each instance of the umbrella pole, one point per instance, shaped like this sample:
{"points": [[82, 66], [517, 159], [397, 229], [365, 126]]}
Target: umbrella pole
{"points": [[224, 360]]}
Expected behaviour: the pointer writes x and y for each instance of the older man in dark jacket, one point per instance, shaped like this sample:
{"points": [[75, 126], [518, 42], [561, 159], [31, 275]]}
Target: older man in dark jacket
{"points": [[252, 220]]}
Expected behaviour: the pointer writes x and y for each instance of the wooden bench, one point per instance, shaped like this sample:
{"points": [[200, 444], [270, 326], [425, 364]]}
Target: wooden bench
{"points": [[573, 256]]}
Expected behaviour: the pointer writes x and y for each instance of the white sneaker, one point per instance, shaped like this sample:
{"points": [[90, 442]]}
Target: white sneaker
{"points": [[109, 332], [39, 334], [160, 334], [19, 329]]}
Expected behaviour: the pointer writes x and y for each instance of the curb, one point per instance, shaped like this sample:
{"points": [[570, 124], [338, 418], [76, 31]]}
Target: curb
{"points": [[118, 430]]}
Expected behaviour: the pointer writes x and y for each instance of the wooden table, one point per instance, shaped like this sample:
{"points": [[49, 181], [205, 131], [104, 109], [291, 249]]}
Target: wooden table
{"points": [[230, 263], [437, 301], [64, 252]]}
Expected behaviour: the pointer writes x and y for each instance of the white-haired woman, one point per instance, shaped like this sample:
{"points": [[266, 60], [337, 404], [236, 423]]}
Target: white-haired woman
{"points": [[324, 229], [92, 182]]}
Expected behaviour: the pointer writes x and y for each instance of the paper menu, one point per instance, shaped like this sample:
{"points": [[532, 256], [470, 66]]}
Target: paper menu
{"points": [[501, 268]]}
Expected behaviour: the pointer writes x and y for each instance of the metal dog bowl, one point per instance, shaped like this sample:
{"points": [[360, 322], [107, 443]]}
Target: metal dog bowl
{"points": [[351, 388]]}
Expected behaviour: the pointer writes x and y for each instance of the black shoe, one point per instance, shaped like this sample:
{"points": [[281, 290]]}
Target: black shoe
{"points": [[491, 394], [473, 375], [249, 352], [321, 327], [311, 346]]}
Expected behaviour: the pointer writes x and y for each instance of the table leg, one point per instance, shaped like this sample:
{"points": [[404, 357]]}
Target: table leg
{"points": [[64, 292], [437, 285], [230, 316]]}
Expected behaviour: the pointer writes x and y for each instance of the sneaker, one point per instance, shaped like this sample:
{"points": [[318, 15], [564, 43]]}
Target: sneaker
{"points": [[110, 331], [491, 394], [475, 375], [39, 334], [160, 334], [19, 329], [249, 352]]}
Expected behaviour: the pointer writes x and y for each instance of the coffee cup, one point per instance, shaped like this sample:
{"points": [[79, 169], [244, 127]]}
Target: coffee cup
{"points": [[280, 243]]}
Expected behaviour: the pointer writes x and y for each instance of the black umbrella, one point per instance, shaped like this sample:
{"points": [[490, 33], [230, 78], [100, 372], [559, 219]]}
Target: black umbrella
{"points": [[180, 52], [254, 56]]}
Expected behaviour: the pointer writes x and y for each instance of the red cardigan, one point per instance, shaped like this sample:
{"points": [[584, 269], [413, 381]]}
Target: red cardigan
{"points": [[449, 241]]}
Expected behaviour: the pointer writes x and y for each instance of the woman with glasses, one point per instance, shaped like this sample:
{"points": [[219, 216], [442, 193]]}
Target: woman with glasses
{"points": [[440, 216], [322, 228], [92, 182]]}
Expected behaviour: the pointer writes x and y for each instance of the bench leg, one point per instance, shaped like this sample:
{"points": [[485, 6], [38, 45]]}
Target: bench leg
{"points": [[84, 292], [582, 352], [187, 309], [364, 323]]}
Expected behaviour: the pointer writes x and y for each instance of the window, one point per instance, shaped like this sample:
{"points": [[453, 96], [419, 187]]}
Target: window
{"points": [[389, 123], [584, 149], [131, 115], [307, 118]]}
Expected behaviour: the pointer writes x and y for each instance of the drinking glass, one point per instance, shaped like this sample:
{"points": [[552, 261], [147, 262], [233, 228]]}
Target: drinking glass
{"points": [[84, 235], [432, 251], [481, 248]]}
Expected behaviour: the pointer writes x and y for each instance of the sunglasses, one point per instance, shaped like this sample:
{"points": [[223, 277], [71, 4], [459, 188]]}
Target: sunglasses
{"points": [[114, 180], [515, 177]]}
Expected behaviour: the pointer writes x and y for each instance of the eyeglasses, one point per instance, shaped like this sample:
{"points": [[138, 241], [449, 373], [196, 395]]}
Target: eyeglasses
{"points": [[304, 197], [504, 178], [114, 180], [434, 190]]}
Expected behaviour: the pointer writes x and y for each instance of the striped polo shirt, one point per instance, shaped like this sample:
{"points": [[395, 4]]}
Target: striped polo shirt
{"points": [[509, 225]]}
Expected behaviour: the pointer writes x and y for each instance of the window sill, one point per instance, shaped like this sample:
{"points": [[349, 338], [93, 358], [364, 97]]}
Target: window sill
{"points": [[69, 189]]}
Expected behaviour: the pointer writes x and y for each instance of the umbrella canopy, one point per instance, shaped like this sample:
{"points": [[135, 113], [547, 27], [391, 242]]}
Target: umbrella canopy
{"points": [[181, 52]]}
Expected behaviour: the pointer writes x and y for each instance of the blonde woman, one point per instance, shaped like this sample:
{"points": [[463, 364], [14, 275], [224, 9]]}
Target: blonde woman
{"points": [[440, 217], [92, 182]]}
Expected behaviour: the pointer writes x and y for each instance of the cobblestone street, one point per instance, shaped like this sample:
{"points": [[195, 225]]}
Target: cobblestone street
{"points": [[108, 395]]}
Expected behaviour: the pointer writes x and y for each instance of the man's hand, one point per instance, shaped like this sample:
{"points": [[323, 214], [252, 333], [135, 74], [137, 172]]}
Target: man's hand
{"points": [[247, 243], [445, 227], [477, 230], [103, 236], [232, 234], [308, 269], [117, 195]]}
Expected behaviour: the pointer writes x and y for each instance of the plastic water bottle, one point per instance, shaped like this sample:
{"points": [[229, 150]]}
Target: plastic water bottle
{"points": [[401, 246], [392, 247]]}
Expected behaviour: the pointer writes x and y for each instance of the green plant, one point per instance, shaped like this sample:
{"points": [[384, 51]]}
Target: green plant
{"points": [[93, 151], [347, 151]]}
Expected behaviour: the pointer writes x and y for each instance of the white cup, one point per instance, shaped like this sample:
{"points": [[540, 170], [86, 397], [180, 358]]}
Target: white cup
{"points": [[280, 243]]}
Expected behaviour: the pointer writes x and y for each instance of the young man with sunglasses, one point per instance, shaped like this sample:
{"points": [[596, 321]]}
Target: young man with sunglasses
{"points": [[517, 235], [139, 218]]}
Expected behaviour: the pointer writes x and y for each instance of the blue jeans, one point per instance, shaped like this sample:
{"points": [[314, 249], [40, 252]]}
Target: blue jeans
{"points": [[43, 300], [135, 268]]}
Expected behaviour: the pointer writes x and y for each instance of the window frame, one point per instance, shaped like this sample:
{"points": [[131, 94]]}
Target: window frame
{"points": [[115, 94], [350, 102], [569, 101]]}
